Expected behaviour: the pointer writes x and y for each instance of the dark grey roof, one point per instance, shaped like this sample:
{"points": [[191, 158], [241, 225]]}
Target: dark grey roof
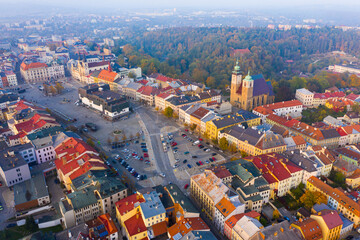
{"points": [[176, 100], [300, 161], [10, 160], [180, 198], [249, 134], [8, 98], [31, 189], [261, 86], [330, 133]]}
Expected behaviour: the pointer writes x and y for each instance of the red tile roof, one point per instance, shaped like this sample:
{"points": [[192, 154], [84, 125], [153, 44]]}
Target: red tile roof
{"points": [[159, 228], [269, 108], [127, 204], [135, 225], [197, 224], [331, 218], [26, 67]]}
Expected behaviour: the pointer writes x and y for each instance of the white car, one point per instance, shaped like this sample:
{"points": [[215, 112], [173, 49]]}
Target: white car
{"points": [[162, 175], [207, 150]]}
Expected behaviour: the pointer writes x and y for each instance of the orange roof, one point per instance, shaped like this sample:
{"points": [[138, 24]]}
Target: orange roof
{"points": [[135, 225], [299, 140], [225, 206], [235, 218], [339, 196], [159, 228], [356, 174], [182, 227], [25, 66], [107, 75], [310, 229], [109, 223]]}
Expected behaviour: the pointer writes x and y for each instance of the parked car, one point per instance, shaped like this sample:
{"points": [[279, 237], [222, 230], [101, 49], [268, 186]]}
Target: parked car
{"points": [[213, 154], [194, 156], [186, 152], [197, 163], [189, 166], [213, 158], [185, 161], [146, 155], [200, 162], [186, 186], [92, 126], [162, 175]]}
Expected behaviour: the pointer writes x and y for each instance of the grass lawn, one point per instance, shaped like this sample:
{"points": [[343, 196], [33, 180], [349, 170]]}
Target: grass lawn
{"points": [[17, 232], [54, 229]]}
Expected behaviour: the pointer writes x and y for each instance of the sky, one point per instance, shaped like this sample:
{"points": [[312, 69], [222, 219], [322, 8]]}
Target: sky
{"points": [[186, 3]]}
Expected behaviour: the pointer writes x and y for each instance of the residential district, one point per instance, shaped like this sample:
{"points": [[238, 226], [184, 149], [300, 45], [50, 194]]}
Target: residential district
{"points": [[94, 150]]}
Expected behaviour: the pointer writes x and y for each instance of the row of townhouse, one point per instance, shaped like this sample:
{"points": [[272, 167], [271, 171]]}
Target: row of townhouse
{"points": [[336, 199], [253, 142], [310, 99], [332, 138], [291, 108]]}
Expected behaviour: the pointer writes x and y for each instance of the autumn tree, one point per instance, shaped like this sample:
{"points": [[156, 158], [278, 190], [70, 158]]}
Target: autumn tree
{"points": [[232, 148], [223, 143], [211, 82], [309, 198], [90, 142], [168, 112], [276, 214], [124, 137], [59, 88]]}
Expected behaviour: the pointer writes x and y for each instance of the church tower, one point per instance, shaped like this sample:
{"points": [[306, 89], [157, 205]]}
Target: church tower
{"points": [[236, 78], [247, 92]]}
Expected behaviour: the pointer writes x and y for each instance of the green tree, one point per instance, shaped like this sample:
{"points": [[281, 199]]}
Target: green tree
{"points": [[309, 198], [232, 148], [30, 224], [168, 112], [131, 75], [223, 143], [193, 127]]}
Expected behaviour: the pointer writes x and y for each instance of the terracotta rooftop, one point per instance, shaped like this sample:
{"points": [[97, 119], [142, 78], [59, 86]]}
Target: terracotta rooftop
{"points": [[225, 207], [310, 228], [26, 67], [135, 225]]}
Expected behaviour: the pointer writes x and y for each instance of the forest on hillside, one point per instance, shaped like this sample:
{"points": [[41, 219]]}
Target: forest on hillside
{"points": [[205, 55]]}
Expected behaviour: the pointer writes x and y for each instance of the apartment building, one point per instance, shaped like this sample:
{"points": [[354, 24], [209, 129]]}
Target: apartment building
{"points": [[41, 72], [336, 200], [226, 208], [13, 168], [291, 108], [207, 190]]}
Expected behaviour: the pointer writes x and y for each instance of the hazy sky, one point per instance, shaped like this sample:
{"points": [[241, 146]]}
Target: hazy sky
{"points": [[186, 3]]}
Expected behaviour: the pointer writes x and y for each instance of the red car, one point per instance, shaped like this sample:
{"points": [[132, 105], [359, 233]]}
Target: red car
{"points": [[199, 145], [200, 162], [213, 158], [174, 144], [146, 155], [200, 139], [141, 158], [186, 186], [186, 130]]}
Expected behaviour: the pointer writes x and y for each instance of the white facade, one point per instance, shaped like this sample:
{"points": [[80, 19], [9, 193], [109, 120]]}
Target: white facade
{"points": [[219, 219], [44, 149], [42, 74], [15, 175], [305, 97], [11, 78]]}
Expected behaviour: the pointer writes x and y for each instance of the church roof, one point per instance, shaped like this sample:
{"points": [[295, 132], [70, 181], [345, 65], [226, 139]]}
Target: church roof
{"points": [[260, 86]]}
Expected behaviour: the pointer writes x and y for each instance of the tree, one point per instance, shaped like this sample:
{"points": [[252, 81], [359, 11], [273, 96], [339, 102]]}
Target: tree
{"points": [[30, 224], [193, 127], [53, 90], [211, 82], [59, 88], [90, 142], [232, 148], [310, 198], [168, 112], [124, 137], [223, 143], [276, 214]]}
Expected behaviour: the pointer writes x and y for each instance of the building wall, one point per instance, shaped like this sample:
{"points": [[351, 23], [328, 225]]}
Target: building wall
{"points": [[16, 175], [45, 154]]}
